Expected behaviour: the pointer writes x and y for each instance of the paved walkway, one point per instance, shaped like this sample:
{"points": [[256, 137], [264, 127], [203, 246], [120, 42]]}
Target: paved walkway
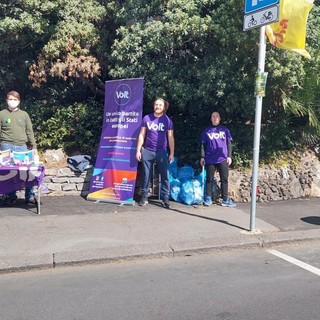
{"points": [[72, 230]]}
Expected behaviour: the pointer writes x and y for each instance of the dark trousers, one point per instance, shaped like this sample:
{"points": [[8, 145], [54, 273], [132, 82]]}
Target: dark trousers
{"points": [[223, 170], [161, 159]]}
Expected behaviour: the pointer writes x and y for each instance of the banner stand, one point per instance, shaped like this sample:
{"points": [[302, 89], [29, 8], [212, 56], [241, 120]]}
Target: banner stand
{"points": [[115, 172]]}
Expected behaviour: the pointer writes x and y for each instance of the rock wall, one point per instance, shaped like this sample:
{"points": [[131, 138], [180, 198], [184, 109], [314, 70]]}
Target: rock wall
{"points": [[64, 181], [287, 181]]}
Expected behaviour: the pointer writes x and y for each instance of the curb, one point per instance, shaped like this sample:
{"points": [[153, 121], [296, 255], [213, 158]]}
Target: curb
{"points": [[160, 251]]}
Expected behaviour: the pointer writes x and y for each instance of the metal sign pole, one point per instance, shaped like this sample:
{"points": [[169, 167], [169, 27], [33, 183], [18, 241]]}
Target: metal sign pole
{"points": [[257, 129]]}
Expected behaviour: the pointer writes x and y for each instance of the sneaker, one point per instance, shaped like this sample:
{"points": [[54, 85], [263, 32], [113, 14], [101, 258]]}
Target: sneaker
{"points": [[143, 201], [166, 203], [228, 203], [207, 202]]}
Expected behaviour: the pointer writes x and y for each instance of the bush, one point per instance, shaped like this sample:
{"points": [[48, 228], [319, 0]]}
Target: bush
{"points": [[75, 128]]}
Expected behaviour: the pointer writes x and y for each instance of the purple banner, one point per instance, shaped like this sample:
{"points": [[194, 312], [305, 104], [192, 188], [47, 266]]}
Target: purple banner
{"points": [[115, 171], [13, 178]]}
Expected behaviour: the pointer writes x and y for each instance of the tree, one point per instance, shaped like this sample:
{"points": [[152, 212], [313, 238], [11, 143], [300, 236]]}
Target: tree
{"points": [[303, 104], [49, 39], [195, 53], [58, 54]]}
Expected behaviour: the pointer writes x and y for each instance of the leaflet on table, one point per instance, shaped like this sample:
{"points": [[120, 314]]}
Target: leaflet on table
{"points": [[20, 158], [5, 157]]}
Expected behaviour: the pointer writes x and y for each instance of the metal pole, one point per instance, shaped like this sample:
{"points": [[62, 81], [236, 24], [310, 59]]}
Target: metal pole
{"points": [[39, 199], [257, 129], [202, 187]]}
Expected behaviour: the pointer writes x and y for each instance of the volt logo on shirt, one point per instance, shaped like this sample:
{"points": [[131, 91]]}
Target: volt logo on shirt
{"points": [[155, 127], [217, 135]]}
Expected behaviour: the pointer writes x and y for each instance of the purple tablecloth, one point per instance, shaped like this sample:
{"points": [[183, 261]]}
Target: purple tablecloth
{"points": [[13, 178]]}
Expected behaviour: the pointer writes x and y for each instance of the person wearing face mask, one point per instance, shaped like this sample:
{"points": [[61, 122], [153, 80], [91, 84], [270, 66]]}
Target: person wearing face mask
{"points": [[156, 135], [15, 132], [216, 153]]}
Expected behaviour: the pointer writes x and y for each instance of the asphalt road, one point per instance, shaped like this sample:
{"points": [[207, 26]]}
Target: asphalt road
{"points": [[282, 283]]}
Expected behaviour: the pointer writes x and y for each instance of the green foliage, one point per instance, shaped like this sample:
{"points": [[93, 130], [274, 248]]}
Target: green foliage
{"points": [[195, 54], [23, 25], [187, 54], [44, 39], [301, 104], [192, 52], [76, 128]]}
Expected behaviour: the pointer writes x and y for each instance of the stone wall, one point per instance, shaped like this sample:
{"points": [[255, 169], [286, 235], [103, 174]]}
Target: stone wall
{"points": [[288, 181], [64, 181], [275, 183]]}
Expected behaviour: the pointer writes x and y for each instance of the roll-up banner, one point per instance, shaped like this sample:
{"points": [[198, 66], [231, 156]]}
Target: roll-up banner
{"points": [[115, 172]]}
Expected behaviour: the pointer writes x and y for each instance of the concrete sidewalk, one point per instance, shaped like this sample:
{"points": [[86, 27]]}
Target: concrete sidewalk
{"points": [[72, 230]]}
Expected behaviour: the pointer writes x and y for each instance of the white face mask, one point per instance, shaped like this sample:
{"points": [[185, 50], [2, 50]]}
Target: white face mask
{"points": [[13, 104]]}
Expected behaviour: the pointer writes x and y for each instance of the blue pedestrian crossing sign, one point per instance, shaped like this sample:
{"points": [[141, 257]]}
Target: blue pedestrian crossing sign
{"points": [[254, 5]]}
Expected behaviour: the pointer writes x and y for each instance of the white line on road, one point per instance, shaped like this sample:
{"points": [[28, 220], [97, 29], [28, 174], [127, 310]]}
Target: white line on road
{"points": [[296, 262]]}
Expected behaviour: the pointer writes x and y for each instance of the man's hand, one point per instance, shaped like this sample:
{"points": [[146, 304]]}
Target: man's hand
{"points": [[202, 162], [229, 161], [138, 155]]}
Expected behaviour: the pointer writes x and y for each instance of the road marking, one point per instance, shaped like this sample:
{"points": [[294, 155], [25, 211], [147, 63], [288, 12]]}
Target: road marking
{"points": [[297, 262]]}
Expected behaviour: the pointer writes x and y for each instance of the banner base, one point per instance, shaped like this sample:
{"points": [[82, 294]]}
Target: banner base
{"points": [[132, 203]]}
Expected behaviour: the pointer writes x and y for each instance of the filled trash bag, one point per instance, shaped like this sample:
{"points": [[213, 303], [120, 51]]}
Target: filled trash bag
{"points": [[185, 173], [173, 168], [175, 188], [191, 192], [201, 177]]}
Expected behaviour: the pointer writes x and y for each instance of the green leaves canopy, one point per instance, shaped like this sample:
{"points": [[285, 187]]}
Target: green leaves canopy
{"points": [[48, 38], [192, 52]]}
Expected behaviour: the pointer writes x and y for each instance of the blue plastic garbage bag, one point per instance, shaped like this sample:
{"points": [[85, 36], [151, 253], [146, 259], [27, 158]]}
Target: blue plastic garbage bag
{"points": [[173, 168], [175, 188], [201, 177], [185, 173], [191, 192], [202, 180]]}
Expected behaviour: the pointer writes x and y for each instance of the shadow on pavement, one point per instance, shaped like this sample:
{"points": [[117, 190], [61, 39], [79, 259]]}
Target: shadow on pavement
{"points": [[153, 202], [212, 219], [20, 204], [312, 220]]}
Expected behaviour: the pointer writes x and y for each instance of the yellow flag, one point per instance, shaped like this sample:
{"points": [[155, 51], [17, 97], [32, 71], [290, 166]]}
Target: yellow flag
{"points": [[290, 32]]}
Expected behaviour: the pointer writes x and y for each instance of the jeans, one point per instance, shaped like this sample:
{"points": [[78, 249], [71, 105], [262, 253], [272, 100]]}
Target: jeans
{"points": [[29, 193], [223, 169], [161, 159]]}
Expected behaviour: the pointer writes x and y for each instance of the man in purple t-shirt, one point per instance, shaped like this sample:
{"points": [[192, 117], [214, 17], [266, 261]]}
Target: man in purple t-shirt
{"points": [[156, 134], [216, 153]]}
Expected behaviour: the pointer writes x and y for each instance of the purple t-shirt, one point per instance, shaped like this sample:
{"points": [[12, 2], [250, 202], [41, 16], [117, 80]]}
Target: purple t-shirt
{"points": [[215, 140], [156, 133]]}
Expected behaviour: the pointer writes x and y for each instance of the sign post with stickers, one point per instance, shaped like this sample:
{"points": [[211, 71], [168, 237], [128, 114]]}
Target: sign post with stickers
{"points": [[257, 14]]}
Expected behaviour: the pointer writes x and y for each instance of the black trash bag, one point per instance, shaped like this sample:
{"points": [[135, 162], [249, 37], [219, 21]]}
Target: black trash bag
{"points": [[80, 163]]}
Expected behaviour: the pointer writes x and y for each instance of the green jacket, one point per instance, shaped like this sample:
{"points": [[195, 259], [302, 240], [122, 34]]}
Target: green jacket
{"points": [[16, 128]]}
